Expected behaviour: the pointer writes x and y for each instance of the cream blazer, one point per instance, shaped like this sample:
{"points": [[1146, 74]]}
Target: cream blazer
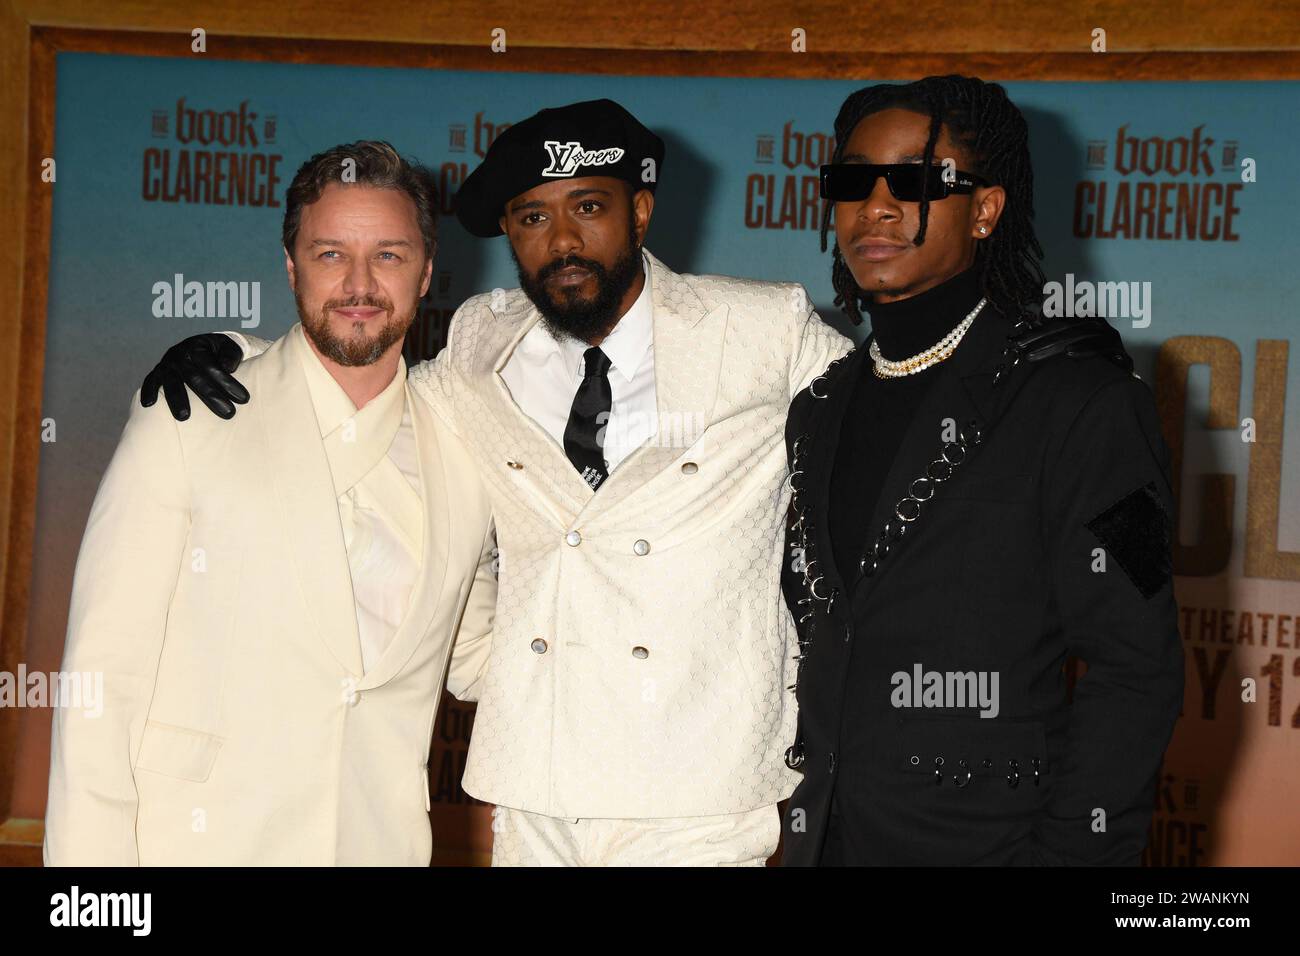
{"points": [[212, 591]]}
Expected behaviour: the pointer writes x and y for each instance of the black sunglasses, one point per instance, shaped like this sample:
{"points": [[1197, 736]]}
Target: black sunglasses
{"points": [[852, 182]]}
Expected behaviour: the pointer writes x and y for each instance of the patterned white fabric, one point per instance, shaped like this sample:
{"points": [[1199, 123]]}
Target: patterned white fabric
{"points": [[543, 375], [520, 838], [641, 650]]}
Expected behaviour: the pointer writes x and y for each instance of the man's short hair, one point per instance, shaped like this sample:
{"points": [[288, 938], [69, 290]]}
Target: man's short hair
{"points": [[365, 163]]}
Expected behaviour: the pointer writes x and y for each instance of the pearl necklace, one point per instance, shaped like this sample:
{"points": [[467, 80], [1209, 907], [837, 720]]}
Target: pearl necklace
{"points": [[884, 368]]}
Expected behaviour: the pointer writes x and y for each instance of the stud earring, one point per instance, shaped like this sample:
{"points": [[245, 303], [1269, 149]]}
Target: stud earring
{"points": [[983, 231]]}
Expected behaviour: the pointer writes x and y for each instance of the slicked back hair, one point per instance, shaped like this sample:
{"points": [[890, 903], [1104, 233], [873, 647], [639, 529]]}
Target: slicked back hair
{"points": [[367, 163]]}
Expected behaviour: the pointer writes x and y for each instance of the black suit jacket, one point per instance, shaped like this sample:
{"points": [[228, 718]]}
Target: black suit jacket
{"points": [[1051, 539]]}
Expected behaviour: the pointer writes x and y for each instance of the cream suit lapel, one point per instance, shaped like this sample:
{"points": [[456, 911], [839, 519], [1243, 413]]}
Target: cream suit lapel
{"points": [[688, 344], [437, 532], [688, 340], [560, 489], [308, 505]]}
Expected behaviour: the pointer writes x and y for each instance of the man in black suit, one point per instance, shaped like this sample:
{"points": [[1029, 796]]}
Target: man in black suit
{"points": [[965, 519]]}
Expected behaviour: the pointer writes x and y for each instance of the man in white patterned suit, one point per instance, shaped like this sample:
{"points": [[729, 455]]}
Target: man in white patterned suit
{"points": [[628, 423]]}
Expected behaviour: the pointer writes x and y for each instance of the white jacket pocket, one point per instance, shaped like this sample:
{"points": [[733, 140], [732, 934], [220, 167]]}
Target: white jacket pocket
{"points": [[178, 751]]}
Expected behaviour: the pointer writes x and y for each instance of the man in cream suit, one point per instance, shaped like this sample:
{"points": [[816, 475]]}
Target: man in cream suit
{"points": [[628, 423], [273, 601]]}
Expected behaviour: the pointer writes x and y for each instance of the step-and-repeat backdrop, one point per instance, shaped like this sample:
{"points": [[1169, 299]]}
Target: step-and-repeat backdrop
{"points": [[1179, 196]]}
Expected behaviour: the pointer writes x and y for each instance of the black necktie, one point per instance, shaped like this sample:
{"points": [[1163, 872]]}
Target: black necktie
{"points": [[588, 418]]}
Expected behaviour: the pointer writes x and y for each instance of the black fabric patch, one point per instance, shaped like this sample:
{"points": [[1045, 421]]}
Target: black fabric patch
{"points": [[1135, 531]]}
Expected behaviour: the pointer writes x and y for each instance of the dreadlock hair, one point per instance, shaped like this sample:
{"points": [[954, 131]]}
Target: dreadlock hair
{"points": [[987, 125]]}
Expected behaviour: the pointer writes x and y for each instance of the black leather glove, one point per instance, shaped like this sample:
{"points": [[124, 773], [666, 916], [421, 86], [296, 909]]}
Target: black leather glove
{"points": [[204, 363]]}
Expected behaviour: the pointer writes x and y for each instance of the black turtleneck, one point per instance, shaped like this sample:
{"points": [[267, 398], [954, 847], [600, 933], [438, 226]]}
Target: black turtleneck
{"points": [[880, 410]]}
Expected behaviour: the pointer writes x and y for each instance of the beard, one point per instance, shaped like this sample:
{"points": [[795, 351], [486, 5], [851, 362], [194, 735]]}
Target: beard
{"points": [[358, 348], [567, 314]]}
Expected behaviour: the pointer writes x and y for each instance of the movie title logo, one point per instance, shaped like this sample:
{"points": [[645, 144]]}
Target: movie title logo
{"points": [[1259, 421], [466, 138], [1166, 188], [220, 158], [789, 198]]}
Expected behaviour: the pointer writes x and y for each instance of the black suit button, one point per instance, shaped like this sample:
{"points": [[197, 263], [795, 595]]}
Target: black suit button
{"points": [[830, 762]]}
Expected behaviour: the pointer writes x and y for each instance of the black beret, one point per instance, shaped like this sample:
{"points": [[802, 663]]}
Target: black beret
{"points": [[592, 138]]}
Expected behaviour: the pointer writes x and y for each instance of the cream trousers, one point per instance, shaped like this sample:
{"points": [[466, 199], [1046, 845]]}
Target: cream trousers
{"points": [[521, 838]]}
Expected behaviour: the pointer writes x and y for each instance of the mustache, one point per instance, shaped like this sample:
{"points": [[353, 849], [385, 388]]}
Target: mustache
{"points": [[359, 302], [559, 265]]}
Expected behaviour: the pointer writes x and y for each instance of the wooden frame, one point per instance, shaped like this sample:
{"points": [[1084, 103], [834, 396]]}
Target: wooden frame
{"points": [[1196, 39]]}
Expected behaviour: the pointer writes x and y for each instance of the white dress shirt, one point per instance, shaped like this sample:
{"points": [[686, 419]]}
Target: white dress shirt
{"points": [[381, 515], [543, 375]]}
